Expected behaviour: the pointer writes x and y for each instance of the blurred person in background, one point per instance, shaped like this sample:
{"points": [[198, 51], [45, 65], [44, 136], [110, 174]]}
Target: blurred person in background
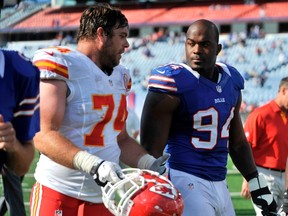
{"points": [[266, 129], [19, 121], [83, 113]]}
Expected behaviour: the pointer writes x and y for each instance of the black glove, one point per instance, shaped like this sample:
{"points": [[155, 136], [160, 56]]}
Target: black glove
{"points": [[261, 196]]}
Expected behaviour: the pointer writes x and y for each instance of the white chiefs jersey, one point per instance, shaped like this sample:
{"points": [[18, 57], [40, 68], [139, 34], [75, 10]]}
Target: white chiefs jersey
{"points": [[94, 116]]}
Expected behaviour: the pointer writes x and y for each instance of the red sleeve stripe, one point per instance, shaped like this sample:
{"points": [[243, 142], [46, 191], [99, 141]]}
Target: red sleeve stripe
{"points": [[52, 66]]}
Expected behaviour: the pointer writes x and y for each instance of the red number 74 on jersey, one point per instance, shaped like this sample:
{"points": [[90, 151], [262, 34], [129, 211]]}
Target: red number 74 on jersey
{"points": [[96, 137]]}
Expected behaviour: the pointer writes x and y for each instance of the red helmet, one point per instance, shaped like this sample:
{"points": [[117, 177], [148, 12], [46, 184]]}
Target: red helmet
{"points": [[142, 192]]}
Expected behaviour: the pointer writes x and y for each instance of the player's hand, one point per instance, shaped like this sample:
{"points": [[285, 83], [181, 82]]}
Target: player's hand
{"points": [[245, 191], [106, 171], [159, 164], [7, 136], [261, 196], [101, 170], [149, 162]]}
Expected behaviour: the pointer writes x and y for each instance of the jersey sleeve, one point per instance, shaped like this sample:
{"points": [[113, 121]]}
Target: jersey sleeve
{"points": [[234, 74], [52, 63], [162, 79], [26, 119], [174, 79]]}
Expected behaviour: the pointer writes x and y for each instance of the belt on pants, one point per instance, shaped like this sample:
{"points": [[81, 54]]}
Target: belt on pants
{"points": [[272, 169]]}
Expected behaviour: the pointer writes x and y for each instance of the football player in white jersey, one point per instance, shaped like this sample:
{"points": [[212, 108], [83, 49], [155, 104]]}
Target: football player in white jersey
{"points": [[83, 113]]}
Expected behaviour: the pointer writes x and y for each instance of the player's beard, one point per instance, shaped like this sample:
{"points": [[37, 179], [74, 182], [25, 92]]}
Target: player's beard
{"points": [[109, 57]]}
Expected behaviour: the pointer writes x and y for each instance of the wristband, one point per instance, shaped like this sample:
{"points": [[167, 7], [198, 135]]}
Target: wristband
{"points": [[146, 161], [85, 161]]}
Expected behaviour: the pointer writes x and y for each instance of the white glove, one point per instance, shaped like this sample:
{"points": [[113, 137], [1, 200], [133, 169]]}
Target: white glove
{"points": [[147, 161], [105, 172], [101, 170]]}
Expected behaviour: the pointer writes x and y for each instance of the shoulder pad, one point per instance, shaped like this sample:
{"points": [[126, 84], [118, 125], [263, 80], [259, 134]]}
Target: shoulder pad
{"points": [[51, 62], [167, 70], [163, 78], [234, 74], [20, 63]]}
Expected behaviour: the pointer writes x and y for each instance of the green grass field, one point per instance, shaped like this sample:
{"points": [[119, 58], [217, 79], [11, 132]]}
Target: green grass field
{"points": [[234, 180]]}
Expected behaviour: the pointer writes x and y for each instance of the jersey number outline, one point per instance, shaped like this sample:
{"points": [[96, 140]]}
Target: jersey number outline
{"points": [[96, 137], [211, 128]]}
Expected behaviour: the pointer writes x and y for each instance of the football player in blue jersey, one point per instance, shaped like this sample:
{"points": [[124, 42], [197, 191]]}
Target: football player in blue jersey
{"points": [[192, 110], [19, 121]]}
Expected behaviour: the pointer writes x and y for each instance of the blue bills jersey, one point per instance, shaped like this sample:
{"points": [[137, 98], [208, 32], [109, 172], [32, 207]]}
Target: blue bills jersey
{"points": [[19, 94], [199, 133]]}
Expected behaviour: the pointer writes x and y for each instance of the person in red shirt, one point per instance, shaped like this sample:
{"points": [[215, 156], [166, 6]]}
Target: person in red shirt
{"points": [[266, 129]]}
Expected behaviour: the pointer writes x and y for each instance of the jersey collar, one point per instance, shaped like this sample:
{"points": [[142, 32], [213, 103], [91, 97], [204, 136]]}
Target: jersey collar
{"points": [[275, 106]]}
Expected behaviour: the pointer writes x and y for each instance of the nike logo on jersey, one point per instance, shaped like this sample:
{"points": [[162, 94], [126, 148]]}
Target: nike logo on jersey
{"points": [[49, 53], [161, 72]]}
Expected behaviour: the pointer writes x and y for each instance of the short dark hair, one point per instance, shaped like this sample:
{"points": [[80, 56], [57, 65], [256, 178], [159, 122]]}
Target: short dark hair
{"points": [[101, 15], [283, 82], [209, 24]]}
